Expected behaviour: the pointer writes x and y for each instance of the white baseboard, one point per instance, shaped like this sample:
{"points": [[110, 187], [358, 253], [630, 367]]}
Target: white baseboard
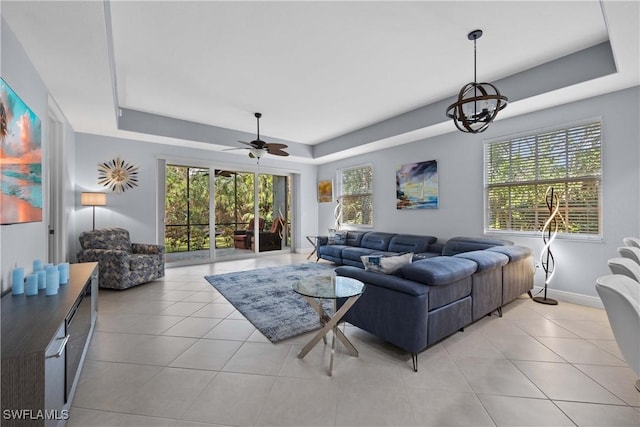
{"points": [[571, 297]]}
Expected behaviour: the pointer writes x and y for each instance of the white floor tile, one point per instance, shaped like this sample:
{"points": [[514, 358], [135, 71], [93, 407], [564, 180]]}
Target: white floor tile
{"points": [[231, 399], [562, 381], [592, 415], [432, 407], [207, 354], [497, 376], [509, 411]]}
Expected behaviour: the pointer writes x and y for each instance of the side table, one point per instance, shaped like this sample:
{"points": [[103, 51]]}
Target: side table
{"points": [[314, 242], [329, 287]]}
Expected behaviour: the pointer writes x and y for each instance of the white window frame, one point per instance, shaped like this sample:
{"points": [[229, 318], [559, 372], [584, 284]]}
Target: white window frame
{"points": [[341, 194], [542, 183]]}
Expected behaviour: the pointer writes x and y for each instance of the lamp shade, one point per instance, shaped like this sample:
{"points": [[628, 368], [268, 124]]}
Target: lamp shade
{"points": [[93, 199]]}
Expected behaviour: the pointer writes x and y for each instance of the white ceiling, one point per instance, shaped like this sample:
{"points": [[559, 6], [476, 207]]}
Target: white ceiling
{"points": [[316, 70]]}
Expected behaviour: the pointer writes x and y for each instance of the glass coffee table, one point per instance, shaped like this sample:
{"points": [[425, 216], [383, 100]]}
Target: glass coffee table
{"points": [[329, 287]]}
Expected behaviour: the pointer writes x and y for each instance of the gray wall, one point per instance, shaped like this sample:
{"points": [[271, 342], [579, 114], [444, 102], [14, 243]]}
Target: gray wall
{"points": [[460, 173], [20, 244], [135, 209]]}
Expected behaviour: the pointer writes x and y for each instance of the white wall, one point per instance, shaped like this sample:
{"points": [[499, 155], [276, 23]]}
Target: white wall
{"points": [[460, 174], [20, 244], [135, 209]]}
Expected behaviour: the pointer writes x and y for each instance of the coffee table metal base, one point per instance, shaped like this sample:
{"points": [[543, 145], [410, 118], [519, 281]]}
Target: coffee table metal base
{"points": [[330, 323]]}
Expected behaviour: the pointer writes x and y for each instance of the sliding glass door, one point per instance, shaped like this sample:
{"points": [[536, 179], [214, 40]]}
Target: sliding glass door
{"points": [[213, 213], [274, 207], [186, 213]]}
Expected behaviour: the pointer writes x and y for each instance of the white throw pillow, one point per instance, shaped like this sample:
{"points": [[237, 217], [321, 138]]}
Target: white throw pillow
{"points": [[337, 237], [386, 264]]}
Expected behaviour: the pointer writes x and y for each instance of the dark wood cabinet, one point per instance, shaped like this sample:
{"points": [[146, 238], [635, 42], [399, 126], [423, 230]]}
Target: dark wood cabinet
{"points": [[44, 342]]}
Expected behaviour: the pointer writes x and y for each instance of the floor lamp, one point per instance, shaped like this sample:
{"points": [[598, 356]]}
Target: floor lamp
{"points": [[547, 261], [93, 200]]}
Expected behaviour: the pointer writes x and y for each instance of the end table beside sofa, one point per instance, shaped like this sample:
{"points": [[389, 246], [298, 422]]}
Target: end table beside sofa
{"points": [[446, 287]]}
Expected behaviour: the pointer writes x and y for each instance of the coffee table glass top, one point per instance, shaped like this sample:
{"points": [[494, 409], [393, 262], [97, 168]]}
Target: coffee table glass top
{"points": [[330, 287]]}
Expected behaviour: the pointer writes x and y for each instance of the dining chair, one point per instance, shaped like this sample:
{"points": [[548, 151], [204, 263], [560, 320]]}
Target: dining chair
{"points": [[630, 252], [621, 299], [626, 267]]}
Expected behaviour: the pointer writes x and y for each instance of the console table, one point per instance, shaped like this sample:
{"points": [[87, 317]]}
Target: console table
{"points": [[44, 342]]}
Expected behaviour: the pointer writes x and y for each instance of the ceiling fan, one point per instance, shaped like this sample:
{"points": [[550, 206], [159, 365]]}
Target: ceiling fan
{"points": [[258, 148]]}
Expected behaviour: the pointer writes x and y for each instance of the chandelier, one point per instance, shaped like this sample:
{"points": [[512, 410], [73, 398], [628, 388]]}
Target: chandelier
{"points": [[478, 103]]}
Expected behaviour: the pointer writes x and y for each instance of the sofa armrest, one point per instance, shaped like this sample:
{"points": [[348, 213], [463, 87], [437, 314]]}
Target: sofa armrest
{"points": [[144, 248], [387, 281], [322, 240]]}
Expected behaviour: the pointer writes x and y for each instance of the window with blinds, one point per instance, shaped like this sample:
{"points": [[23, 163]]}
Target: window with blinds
{"points": [[519, 170], [355, 192]]}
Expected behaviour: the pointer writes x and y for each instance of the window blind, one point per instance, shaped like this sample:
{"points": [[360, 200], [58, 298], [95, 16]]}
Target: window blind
{"points": [[519, 170], [356, 195]]}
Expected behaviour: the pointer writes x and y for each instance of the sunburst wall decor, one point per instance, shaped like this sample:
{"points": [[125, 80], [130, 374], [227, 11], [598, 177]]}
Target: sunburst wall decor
{"points": [[118, 175]]}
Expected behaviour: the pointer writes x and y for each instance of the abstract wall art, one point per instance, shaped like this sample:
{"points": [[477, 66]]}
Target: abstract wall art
{"points": [[20, 160], [417, 185]]}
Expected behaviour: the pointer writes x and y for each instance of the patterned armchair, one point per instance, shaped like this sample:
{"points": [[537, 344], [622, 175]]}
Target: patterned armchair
{"points": [[122, 264]]}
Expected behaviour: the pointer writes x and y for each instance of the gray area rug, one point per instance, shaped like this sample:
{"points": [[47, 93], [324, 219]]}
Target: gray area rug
{"points": [[264, 296]]}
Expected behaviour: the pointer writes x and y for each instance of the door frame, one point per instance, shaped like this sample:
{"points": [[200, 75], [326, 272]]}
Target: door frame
{"points": [[56, 159]]}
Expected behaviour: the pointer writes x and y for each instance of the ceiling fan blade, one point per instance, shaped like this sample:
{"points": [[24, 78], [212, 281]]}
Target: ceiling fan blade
{"points": [[238, 148], [272, 145], [250, 144], [277, 152]]}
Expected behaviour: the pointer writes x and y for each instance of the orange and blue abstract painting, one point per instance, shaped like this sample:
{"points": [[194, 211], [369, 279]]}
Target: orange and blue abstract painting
{"points": [[20, 160], [417, 185]]}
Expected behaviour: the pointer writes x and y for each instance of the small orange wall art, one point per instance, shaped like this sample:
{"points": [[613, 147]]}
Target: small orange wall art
{"points": [[325, 191]]}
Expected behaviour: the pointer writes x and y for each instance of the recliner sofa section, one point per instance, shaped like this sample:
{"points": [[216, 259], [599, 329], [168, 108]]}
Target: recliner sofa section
{"points": [[439, 293]]}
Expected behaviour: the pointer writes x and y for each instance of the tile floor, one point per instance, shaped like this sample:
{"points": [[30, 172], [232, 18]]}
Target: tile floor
{"points": [[175, 353]]}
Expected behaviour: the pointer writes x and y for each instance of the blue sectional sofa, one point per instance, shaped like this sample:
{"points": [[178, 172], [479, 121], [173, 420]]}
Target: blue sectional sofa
{"points": [[446, 287]]}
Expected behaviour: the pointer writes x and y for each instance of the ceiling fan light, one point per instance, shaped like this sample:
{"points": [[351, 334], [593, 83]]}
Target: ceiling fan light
{"points": [[257, 152]]}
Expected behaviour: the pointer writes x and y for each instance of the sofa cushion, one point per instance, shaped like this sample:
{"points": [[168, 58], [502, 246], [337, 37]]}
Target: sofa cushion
{"points": [[106, 238], [386, 264], [354, 253], [376, 240], [486, 260], [334, 251], [355, 237], [458, 245], [513, 252], [438, 270], [410, 243]]}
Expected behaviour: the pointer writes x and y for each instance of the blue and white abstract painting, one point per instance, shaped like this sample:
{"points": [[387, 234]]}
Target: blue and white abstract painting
{"points": [[417, 185]]}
